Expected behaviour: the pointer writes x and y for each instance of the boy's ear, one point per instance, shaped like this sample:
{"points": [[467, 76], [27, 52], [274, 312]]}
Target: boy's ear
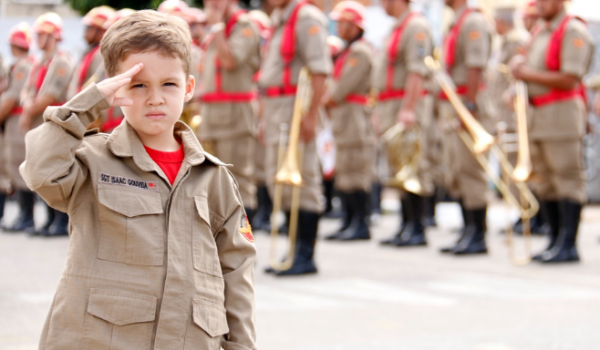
{"points": [[190, 88]]}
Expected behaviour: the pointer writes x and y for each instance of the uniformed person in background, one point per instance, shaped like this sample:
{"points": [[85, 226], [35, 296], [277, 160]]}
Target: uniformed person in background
{"points": [[299, 40], [530, 15], [264, 205], [347, 102], [197, 24], [47, 86], [3, 76], [399, 79], [467, 49], [91, 61], [12, 140], [558, 57], [230, 60]]}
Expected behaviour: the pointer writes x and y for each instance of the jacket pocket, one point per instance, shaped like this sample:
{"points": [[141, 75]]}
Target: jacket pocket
{"points": [[131, 226], [118, 320], [209, 324]]}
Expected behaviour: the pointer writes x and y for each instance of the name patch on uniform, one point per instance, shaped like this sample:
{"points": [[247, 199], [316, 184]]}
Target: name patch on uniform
{"points": [[127, 182]]}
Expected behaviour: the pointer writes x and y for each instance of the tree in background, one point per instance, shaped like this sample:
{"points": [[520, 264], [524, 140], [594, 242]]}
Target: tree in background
{"points": [[83, 6]]}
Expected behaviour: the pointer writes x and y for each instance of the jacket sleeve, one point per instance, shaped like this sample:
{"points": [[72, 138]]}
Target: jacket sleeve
{"points": [[237, 254], [51, 167]]}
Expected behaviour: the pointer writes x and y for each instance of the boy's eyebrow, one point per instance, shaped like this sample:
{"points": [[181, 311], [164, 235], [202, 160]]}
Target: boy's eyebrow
{"points": [[141, 80]]}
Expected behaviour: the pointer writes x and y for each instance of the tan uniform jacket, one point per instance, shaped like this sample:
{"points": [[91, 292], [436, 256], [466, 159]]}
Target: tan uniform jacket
{"points": [[150, 265], [311, 51], [56, 82], [566, 119], [14, 142], [415, 44], [3, 72], [227, 120], [350, 122], [513, 43], [92, 71]]}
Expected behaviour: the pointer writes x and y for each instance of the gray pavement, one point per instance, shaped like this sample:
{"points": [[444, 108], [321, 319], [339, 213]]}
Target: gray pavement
{"points": [[367, 297]]}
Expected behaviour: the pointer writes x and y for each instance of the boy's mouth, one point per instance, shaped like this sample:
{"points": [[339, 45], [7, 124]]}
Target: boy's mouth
{"points": [[155, 115]]}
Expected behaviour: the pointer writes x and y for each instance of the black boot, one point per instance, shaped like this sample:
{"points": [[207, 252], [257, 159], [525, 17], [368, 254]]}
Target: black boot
{"points": [[359, 229], [414, 234], [429, 213], [347, 215], [376, 198], [2, 203], [308, 225], [565, 249], [262, 217], [474, 240], [551, 214], [26, 200], [467, 219], [59, 226], [328, 192], [404, 215], [539, 225]]}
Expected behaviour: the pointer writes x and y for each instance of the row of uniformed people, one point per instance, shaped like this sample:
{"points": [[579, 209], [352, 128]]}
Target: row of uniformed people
{"points": [[230, 58]]}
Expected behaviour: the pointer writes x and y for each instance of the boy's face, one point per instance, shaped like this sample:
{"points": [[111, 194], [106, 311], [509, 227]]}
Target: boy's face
{"points": [[158, 92]]}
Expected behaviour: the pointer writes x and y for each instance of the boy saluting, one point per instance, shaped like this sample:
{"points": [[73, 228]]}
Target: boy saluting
{"points": [[161, 254]]}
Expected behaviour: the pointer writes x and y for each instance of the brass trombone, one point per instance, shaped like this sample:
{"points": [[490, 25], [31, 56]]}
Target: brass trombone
{"points": [[478, 141], [289, 174]]}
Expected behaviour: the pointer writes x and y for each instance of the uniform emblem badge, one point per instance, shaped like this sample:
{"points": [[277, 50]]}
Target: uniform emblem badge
{"points": [[245, 229]]}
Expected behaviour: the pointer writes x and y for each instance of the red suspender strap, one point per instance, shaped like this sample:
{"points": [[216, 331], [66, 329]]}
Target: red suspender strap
{"points": [[337, 74], [553, 64], [111, 121], [392, 53], [220, 96], [287, 51], [452, 38], [85, 66], [17, 110]]}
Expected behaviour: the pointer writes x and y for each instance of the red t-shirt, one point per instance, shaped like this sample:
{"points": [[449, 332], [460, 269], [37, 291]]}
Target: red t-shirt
{"points": [[169, 162]]}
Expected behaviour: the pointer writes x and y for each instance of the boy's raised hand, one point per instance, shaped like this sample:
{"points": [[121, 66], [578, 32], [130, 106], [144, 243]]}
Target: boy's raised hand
{"points": [[110, 86]]}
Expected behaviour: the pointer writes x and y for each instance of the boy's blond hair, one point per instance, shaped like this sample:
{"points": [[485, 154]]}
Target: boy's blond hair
{"points": [[146, 31]]}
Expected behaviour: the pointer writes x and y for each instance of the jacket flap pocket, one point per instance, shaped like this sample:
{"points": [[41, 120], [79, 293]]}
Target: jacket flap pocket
{"points": [[202, 208], [130, 202], [210, 317], [121, 308]]}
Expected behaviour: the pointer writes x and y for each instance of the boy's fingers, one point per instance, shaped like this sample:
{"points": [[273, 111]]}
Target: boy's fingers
{"points": [[121, 101], [133, 71]]}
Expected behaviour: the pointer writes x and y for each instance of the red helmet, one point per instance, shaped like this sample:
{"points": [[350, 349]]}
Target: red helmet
{"points": [[196, 15], [349, 11], [531, 10], [20, 35], [117, 16], [98, 16], [262, 21], [49, 23]]}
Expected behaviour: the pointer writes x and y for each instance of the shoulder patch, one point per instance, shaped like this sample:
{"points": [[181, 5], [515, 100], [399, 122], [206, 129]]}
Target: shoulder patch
{"points": [[246, 229], [420, 36], [247, 32], [578, 43], [474, 35], [314, 30], [19, 76], [353, 62]]}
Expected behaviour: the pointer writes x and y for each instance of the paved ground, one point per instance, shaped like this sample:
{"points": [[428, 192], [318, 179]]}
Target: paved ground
{"points": [[369, 298]]}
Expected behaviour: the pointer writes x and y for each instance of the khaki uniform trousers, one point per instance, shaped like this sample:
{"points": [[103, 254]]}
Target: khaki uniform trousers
{"points": [[558, 170], [388, 112], [260, 154], [239, 151], [278, 111], [464, 178], [14, 150], [354, 168]]}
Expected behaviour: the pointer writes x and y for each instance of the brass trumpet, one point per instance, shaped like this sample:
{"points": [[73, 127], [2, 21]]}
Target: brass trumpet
{"points": [[289, 174], [477, 139]]}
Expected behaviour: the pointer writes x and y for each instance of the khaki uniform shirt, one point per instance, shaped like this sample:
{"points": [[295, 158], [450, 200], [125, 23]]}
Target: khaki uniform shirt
{"points": [[3, 72], [513, 43], [151, 265], [17, 77], [227, 120], [415, 44], [312, 51], [566, 119], [473, 49], [93, 69], [350, 121], [56, 82]]}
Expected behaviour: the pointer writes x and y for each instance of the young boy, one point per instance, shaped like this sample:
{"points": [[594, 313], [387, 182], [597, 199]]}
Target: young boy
{"points": [[161, 253]]}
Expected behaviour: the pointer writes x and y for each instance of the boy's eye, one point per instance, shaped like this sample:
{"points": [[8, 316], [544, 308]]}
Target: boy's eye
{"points": [[138, 86], [170, 84]]}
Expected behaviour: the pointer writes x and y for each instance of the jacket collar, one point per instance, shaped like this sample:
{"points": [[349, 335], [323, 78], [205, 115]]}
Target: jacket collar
{"points": [[124, 142], [280, 16], [555, 22], [402, 18], [457, 15]]}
